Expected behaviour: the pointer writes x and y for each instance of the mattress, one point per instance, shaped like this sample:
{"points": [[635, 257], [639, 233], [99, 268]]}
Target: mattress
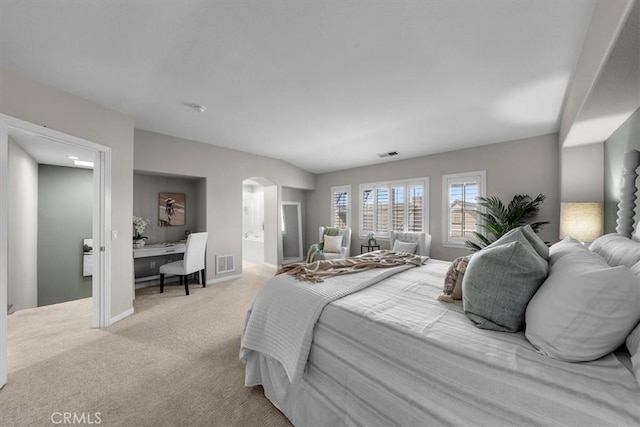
{"points": [[391, 354]]}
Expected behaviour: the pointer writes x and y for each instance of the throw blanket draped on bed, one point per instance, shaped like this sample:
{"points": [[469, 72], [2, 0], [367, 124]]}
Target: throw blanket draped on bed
{"points": [[290, 345], [319, 270]]}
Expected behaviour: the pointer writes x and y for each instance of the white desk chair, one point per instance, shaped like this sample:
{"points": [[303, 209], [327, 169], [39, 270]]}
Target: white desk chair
{"points": [[193, 262]]}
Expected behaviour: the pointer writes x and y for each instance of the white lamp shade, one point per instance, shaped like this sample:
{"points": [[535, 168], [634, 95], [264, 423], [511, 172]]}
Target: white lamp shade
{"points": [[583, 221]]}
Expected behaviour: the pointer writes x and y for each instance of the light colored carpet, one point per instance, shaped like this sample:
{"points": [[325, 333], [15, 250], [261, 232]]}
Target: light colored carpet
{"points": [[173, 363]]}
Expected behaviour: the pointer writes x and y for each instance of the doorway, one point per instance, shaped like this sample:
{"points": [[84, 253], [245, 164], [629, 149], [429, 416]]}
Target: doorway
{"points": [[101, 156]]}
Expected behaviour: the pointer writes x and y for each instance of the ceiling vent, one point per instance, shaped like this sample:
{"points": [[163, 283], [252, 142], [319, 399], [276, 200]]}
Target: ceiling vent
{"points": [[389, 154]]}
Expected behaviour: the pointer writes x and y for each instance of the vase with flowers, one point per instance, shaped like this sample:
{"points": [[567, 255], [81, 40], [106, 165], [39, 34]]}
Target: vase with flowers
{"points": [[139, 225], [371, 239]]}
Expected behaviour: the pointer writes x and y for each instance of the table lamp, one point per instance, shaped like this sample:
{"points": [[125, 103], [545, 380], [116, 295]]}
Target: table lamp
{"points": [[582, 220]]}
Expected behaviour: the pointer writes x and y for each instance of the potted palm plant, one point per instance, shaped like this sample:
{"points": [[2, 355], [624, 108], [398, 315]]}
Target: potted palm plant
{"points": [[497, 218]]}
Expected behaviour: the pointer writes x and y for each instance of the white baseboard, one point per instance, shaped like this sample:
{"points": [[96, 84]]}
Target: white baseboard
{"points": [[121, 316], [224, 279]]}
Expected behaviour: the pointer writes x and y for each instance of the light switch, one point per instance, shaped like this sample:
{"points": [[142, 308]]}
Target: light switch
{"points": [[114, 235]]}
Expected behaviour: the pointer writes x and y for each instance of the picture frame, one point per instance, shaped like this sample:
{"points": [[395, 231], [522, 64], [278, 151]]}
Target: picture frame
{"points": [[171, 209]]}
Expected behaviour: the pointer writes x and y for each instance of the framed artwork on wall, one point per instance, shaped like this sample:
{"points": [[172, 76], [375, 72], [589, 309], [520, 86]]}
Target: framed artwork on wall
{"points": [[171, 209]]}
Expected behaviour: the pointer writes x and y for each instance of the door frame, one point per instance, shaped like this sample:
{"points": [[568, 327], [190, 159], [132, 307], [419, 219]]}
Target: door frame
{"points": [[101, 281]]}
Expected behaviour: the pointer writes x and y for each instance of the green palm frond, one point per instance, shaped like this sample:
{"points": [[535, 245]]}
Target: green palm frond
{"points": [[497, 219]]}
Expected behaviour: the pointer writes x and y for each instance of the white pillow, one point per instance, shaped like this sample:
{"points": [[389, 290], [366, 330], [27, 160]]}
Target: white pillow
{"points": [[584, 310], [633, 344], [617, 249], [408, 247], [565, 246], [332, 244]]}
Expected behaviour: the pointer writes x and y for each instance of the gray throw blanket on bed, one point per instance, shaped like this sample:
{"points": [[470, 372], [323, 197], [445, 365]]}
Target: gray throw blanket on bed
{"points": [[281, 321], [315, 252]]}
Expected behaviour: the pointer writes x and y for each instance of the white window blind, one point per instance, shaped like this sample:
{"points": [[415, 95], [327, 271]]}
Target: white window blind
{"points": [[340, 211], [397, 205], [460, 193]]}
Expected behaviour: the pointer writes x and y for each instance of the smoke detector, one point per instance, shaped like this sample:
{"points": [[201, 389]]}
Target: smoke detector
{"points": [[198, 108]]}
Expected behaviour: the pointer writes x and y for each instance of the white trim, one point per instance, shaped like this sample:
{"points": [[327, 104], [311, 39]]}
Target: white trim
{"points": [[4, 229], [481, 178], [424, 181], [334, 190], [121, 316], [102, 223], [223, 279]]}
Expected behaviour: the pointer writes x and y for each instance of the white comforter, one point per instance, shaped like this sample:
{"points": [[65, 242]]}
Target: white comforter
{"points": [[392, 354]]}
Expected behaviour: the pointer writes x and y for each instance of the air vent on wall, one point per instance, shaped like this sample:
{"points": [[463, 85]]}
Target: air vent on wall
{"points": [[389, 154], [224, 263]]}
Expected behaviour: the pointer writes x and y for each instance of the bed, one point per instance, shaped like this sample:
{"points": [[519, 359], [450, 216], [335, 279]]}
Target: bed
{"points": [[378, 347]]}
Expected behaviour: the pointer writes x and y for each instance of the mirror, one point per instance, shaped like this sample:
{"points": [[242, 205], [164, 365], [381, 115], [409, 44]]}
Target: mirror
{"points": [[291, 232]]}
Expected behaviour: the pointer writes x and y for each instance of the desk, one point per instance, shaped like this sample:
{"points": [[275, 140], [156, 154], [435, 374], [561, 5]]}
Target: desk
{"points": [[159, 250]]}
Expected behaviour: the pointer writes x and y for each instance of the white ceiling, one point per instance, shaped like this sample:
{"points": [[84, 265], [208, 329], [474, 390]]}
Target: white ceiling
{"points": [[323, 85]]}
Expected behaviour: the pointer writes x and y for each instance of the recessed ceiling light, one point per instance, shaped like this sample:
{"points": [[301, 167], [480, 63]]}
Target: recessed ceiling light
{"points": [[83, 163], [73, 157]]}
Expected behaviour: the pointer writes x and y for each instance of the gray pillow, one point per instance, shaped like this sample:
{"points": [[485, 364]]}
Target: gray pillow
{"points": [[499, 282], [408, 247], [536, 242]]}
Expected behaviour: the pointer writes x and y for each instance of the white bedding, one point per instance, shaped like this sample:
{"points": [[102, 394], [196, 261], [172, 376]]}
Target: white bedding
{"points": [[281, 321], [392, 354]]}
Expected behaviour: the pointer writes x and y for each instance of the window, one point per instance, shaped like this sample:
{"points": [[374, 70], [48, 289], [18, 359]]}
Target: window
{"points": [[340, 214], [460, 193], [396, 205]]}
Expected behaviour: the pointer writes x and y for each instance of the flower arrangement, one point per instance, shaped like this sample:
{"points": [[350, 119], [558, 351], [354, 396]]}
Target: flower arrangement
{"points": [[139, 225], [371, 239]]}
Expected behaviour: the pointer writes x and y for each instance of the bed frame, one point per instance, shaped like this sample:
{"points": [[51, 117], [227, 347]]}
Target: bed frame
{"points": [[627, 204]]}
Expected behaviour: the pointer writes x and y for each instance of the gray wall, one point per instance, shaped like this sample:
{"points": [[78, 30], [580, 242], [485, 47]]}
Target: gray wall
{"points": [[626, 138], [527, 166], [22, 254], [45, 105], [582, 171], [65, 216]]}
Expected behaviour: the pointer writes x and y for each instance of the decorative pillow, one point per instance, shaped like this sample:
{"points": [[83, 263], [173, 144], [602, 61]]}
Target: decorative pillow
{"points": [[499, 282], [453, 279], [617, 249], [584, 310], [536, 242], [332, 244], [565, 246], [408, 247]]}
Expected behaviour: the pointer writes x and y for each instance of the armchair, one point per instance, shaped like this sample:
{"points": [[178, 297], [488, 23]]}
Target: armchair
{"points": [[423, 240], [317, 251]]}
